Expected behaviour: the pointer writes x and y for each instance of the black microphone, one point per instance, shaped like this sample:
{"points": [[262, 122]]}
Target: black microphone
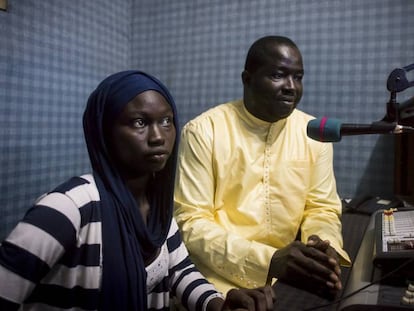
{"points": [[331, 130]]}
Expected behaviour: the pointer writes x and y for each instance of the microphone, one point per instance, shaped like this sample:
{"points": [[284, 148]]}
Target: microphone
{"points": [[332, 130]]}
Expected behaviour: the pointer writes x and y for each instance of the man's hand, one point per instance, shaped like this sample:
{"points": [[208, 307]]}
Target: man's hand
{"points": [[313, 267], [324, 246], [260, 299]]}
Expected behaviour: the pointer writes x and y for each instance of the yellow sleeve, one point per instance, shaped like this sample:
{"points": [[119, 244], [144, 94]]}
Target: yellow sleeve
{"points": [[227, 255], [323, 206]]}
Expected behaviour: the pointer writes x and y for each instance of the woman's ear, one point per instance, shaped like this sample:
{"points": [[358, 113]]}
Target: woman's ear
{"points": [[245, 77]]}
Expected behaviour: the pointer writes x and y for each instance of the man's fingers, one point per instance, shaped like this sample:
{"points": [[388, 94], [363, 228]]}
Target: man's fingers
{"points": [[261, 299], [324, 246], [316, 254], [328, 259], [306, 267], [270, 297], [315, 241]]}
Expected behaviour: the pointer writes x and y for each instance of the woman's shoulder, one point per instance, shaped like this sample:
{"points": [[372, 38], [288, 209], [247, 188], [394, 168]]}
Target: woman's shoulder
{"points": [[70, 197], [81, 189]]}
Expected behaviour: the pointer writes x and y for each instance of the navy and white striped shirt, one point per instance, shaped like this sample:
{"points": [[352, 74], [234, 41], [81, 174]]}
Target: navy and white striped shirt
{"points": [[52, 260]]}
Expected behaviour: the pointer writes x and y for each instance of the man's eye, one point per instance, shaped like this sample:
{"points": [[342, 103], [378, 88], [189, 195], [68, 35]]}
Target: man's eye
{"points": [[298, 77], [139, 123], [277, 75], [166, 121]]}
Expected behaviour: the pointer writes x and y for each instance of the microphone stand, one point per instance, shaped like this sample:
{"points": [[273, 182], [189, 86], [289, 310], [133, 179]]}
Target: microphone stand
{"points": [[397, 82], [404, 146]]}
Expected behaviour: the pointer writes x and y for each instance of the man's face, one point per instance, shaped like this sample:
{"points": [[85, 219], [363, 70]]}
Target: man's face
{"points": [[275, 88]]}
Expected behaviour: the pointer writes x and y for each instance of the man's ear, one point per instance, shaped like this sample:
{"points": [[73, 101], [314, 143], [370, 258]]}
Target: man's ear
{"points": [[245, 77]]}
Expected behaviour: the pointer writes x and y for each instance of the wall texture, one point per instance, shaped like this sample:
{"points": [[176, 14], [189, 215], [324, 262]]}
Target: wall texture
{"points": [[349, 47], [54, 52]]}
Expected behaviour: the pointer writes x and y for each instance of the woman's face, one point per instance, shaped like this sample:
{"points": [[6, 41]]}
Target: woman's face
{"points": [[143, 135]]}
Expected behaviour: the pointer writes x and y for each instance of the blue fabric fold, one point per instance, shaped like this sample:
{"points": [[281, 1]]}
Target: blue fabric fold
{"points": [[127, 241]]}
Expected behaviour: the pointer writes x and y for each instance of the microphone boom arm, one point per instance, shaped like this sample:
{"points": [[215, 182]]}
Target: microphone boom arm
{"points": [[379, 127]]}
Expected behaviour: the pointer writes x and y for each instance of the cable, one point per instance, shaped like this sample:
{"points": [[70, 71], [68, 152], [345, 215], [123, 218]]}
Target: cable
{"points": [[362, 288]]}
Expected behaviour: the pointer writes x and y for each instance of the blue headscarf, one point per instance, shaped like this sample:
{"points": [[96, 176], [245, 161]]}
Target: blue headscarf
{"points": [[127, 241]]}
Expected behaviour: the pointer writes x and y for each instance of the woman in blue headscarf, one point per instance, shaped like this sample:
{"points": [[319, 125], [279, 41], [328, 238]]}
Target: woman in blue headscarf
{"points": [[107, 240]]}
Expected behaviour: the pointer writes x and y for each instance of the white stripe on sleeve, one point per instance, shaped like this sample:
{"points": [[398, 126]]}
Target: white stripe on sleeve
{"points": [[13, 287], [37, 242]]}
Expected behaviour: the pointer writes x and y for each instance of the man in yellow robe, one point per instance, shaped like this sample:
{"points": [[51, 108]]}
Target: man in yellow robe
{"points": [[249, 180]]}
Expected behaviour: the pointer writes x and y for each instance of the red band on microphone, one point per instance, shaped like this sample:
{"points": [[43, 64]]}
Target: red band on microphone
{"points": [[322, 128]]}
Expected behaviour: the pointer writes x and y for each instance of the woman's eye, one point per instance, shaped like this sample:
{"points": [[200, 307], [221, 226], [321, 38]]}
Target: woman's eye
{"points": [[166, 121], [139, 123]]}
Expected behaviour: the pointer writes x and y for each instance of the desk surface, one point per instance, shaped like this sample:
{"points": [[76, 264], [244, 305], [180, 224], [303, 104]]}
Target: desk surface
{"points": [[384, 295], [293, 299], [358, 234]]}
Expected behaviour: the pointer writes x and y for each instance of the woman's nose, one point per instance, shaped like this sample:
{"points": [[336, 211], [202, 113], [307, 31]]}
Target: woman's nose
{"points": [[155, 136]]}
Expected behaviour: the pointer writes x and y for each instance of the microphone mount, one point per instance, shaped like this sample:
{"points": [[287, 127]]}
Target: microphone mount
{"points": [[397, 82], [332, 130]]}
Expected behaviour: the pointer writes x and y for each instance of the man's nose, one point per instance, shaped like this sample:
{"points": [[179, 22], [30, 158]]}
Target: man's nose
{"points": [[289, 83]]}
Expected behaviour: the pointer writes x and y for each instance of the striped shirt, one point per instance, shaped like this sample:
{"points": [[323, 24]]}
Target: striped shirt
{"points": [[52, 260]]}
